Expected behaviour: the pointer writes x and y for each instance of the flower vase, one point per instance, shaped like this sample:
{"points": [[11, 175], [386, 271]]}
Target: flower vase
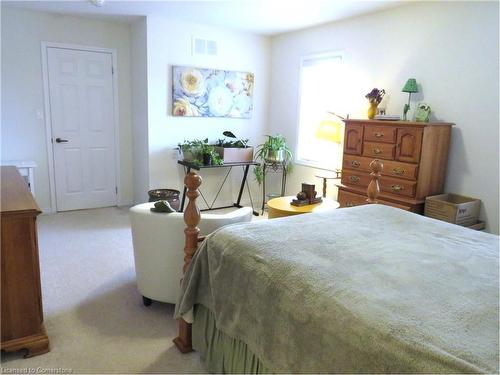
{"points": [[372, 110]]}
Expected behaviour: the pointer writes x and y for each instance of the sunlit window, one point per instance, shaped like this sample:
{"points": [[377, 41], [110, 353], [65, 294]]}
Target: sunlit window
{"points": [[321, 92]]}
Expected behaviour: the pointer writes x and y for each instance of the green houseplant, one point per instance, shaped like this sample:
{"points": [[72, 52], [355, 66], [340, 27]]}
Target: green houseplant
{"points": [[237, 143], [210, 156], [273, 150], [192, 150], [233, 150], [198, 151]]}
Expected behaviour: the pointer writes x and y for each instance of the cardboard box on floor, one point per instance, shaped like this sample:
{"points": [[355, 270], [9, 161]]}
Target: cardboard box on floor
{"points": [[453, 208]]}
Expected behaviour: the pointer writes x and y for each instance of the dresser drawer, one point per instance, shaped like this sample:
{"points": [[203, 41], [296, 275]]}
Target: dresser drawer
{"points": [[390, 185], [379, 150], [400, 170], [356, 162], [355, 178], [347, 199], [391, 168], [398, 186], [380, 134]]}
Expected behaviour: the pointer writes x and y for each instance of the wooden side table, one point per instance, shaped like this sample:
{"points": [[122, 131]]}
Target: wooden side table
{"points": [[280, 207]]}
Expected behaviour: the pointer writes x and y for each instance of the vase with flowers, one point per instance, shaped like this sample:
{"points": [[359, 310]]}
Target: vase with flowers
{"points": [[374, 98]]}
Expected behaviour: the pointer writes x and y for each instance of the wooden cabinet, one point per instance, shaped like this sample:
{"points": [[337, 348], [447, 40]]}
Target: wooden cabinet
{"points": [[409, 142], [353, 139], [414, 155], [21, 304]]}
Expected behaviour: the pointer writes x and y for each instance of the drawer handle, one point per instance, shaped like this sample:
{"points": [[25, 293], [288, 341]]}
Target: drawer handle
{"points": [[377, 151], [354, 178], [355, 163], [397, 187], [349, 204], [399, 171], [378, 134]]}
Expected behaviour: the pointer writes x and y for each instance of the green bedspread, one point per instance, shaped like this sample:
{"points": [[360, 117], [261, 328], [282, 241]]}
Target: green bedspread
{"points": [[365, 289]]}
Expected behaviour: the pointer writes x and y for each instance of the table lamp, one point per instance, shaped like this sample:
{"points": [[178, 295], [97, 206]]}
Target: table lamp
{"points": [[329, 130], [410, 87]]}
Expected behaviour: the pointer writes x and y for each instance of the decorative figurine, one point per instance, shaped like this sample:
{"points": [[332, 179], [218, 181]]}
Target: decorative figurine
{"points": [[422, 113], [306, 196]]}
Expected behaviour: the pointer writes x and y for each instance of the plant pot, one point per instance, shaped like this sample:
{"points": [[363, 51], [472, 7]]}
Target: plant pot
{"points": [[207, 159], [169, 195], [275, 156], [372, 110], [235, 155], [189, 155]]}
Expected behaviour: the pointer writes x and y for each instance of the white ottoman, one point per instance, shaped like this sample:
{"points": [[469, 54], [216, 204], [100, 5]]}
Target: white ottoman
{"points": [[158, 240]]}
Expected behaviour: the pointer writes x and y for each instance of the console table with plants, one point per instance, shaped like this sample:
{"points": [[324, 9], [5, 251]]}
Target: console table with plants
{"points": [[225, 153], [273, 155], [211, 206]]}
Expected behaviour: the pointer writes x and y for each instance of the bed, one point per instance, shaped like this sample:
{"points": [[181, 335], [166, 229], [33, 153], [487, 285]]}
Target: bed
{"points": [[369, 289]]}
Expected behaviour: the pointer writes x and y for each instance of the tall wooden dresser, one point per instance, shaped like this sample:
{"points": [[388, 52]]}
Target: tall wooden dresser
{"points": [[22, 314], [414, 154]]}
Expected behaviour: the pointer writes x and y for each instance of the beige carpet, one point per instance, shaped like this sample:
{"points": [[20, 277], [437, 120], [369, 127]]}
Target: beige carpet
{"points": [[93, 312]]}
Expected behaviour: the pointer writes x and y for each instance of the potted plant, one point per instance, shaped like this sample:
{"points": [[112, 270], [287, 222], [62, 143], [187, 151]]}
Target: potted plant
{"points": [[374, 98], [192, 150], [233, 150], [210, 156], [273, 150]]}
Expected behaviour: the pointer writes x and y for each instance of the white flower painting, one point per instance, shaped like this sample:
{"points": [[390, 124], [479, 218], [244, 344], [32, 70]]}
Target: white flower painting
{"points": [[201, 92]]}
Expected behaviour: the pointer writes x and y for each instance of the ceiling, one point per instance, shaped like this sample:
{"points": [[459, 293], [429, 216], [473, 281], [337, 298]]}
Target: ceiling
{"points": [[265, 17]]}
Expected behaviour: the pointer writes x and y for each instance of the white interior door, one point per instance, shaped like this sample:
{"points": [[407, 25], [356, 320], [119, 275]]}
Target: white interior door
{"points": [[82, 115]]}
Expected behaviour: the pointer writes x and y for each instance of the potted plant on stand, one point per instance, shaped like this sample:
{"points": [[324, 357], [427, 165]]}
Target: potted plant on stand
{"points": [[275, 151]]}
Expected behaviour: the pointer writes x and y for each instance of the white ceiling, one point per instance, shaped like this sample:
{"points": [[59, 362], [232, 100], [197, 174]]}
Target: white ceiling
{"points": [[266, 17]]}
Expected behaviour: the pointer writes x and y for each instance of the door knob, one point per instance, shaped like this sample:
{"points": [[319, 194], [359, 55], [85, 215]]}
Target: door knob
{"points": [[60, 140]]}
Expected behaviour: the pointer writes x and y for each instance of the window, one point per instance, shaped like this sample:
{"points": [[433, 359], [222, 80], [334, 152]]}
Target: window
{"points": [[321, 91]]}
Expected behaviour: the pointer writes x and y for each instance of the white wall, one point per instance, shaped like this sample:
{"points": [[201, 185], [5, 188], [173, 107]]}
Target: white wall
{"points": [[169, 43], [451, 48], [23, 134], [139, 70]]}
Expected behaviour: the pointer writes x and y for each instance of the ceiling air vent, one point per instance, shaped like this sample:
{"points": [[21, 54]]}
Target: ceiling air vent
{"points": [[204, 47]]}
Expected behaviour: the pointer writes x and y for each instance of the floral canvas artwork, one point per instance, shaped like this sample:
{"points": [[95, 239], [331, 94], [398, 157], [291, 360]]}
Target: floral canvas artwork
{"points": [[201, 92]]}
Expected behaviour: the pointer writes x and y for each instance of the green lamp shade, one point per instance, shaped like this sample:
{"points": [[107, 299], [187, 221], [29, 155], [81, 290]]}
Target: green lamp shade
{"points": [[410, 86]]}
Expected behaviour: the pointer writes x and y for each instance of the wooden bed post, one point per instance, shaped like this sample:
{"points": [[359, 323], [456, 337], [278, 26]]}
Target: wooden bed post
{"points": [[374, 188], [192, 219]]}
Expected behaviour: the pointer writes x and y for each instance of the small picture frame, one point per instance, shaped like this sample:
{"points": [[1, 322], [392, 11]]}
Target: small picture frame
{"points": [[422, 113]]}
